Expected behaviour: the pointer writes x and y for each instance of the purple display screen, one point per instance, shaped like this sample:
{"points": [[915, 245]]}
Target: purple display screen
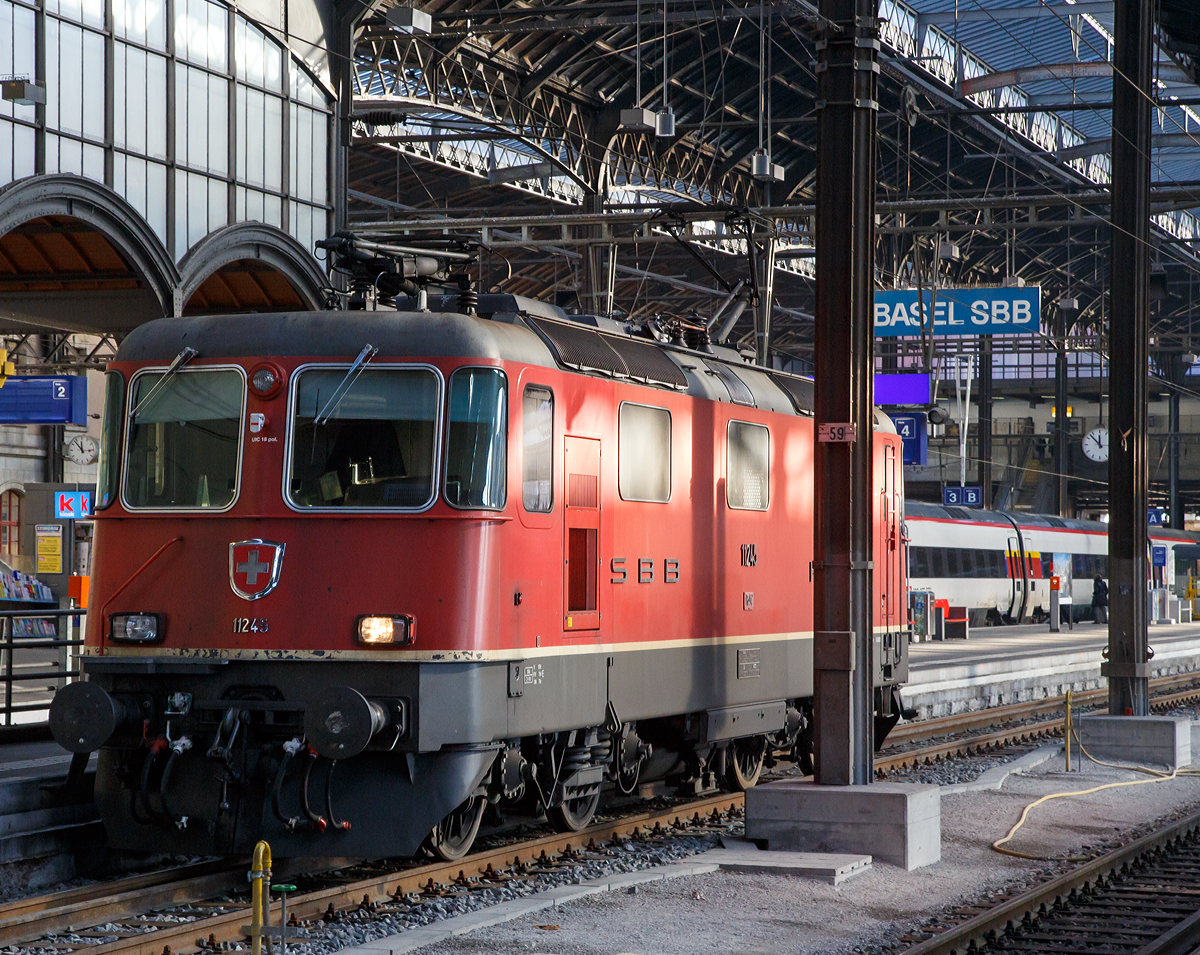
{"points": [[906, 389]]}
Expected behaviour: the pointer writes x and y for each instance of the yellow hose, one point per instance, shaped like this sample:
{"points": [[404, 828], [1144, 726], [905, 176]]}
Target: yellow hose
{"points": [[1156, 776]]}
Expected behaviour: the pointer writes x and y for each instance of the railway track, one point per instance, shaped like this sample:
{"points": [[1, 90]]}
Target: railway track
{"points": [[204, 906], [1143, 898]]}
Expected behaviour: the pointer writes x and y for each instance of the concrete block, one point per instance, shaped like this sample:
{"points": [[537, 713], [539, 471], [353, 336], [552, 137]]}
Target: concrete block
{"points": [[1156, 740], [898, 823], [742, 855]]}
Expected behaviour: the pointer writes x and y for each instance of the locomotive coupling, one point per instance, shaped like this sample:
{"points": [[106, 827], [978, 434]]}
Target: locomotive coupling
{"points": [[341, 722], [83, 717]]}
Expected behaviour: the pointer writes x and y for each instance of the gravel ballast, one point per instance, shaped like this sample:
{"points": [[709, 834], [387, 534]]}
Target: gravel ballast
{"points": [[735, 913]]}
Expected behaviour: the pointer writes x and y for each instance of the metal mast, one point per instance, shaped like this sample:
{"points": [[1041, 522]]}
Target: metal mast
{"points": [[844, 358]]}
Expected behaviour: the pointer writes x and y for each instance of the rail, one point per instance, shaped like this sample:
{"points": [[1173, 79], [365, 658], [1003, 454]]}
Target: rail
{"points": [[35, 664]]}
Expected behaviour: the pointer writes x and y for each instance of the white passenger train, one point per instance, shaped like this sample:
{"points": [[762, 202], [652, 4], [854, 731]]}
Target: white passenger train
{"points": [[999, 563]]}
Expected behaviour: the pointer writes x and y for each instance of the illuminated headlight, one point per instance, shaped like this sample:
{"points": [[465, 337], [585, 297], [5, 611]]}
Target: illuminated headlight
{"points": [[136, 627], [397, 631]]}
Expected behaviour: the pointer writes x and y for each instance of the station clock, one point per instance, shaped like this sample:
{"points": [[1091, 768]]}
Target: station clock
{"points": [[1095, 445]]}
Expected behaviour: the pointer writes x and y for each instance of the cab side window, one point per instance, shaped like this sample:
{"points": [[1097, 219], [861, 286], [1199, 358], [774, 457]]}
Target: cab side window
{"points": [[748, 466], [537, 449]]}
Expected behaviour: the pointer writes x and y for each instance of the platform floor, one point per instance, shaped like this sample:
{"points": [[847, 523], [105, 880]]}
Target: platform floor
{"points": [[45, 760], [991, 644]]}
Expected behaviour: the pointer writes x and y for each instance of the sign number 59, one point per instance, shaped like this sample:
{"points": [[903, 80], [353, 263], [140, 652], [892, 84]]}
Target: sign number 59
{"points": [[835, 433]]}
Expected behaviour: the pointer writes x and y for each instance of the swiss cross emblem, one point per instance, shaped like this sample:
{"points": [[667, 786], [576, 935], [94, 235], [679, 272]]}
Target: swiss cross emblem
{"points": [[254, 567]]}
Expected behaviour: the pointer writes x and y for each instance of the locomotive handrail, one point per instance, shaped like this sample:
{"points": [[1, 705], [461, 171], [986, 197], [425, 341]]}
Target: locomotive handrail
{"points": [[132, 577], [12, 673]]}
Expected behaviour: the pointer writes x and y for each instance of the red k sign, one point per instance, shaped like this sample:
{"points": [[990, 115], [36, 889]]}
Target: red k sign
{"points": [[254, 567]]}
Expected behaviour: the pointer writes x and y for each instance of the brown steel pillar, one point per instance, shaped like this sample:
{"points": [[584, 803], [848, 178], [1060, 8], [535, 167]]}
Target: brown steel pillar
{"points": [[984, 431], [844, 359], [1060, 416], [1129, 270]]}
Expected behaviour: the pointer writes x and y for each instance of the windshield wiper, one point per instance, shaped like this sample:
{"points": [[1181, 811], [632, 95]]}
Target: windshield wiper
{"points": [[181, 359], [360, 363]]}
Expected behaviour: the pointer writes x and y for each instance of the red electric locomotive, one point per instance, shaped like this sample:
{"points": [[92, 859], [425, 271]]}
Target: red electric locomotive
{"points": [[362, 574]]}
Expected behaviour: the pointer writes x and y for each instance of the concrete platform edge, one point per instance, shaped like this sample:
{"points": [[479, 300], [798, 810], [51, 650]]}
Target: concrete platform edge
{"points": [[994, 778], [502, 912]]}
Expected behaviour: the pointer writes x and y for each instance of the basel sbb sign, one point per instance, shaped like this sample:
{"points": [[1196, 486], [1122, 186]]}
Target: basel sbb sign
{"points": [[958, 311]]}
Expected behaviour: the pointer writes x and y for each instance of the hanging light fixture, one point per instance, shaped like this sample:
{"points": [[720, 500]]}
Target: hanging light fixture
{"points": [[638, 118], [664, 124], [761, 166]]}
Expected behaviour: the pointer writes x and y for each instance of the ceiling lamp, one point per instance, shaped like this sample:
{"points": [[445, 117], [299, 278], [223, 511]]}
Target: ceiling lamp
{"points": [[664, 122], [763, 169], [409, 20]]}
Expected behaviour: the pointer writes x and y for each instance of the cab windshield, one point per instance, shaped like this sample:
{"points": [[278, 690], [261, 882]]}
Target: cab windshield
{"points": [[374, 449], [184, 439]]}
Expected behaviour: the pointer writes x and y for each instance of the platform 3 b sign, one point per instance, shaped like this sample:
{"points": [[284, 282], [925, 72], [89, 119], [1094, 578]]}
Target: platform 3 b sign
{"points": [[970, 496], [958, 311]]}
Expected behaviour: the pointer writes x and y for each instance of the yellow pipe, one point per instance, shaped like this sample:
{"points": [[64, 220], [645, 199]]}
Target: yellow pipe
{"points": [[1067, 732], [260, 875]]}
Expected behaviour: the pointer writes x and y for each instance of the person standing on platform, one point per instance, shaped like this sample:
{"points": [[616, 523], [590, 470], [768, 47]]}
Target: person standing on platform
{"points": [[1099, 600]]}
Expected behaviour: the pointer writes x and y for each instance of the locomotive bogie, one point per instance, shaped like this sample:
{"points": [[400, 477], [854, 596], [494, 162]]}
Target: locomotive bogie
{"points": [[452, 573]]}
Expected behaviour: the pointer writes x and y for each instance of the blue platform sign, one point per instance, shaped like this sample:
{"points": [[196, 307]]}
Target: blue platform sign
{"points": [[914, 435], [1155, 516], [970, 496], [906, 389], [44, 400], [1158, 555], [71, 505], [959, 311]]}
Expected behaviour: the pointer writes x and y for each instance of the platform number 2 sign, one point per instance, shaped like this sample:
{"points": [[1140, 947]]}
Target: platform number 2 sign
{"points": [[59, 390]]}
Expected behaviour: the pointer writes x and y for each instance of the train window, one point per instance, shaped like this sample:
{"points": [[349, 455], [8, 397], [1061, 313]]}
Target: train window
{"points": [[918, 562], [184, 440], [983, 565], [937, 562], [999, 565], [953, 563], [477, 439], [644, 453], [110, 440], [373, 449], [537, 449], [748, 466]]}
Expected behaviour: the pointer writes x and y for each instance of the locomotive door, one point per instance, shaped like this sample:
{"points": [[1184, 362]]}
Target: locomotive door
{"points": [[581, 549], [893, 553]]}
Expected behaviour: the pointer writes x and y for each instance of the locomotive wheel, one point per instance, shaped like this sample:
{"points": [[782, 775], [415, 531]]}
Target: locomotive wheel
{"points": [[452, 838], [574, 814], [744, 762]]}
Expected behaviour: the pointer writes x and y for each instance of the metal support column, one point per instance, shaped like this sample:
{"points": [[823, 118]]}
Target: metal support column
{"points": [[844, 360], [1060, 417], [1129, 270], [984, 431], [1173, 504]]}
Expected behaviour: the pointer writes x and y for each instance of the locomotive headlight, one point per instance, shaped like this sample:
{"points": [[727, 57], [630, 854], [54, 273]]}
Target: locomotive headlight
{"points": [[397, 631], [265, 380], [136, 627]]}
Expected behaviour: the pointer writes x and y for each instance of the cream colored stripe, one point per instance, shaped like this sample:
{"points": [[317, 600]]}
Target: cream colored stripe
{"points": [[445, 656]]}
